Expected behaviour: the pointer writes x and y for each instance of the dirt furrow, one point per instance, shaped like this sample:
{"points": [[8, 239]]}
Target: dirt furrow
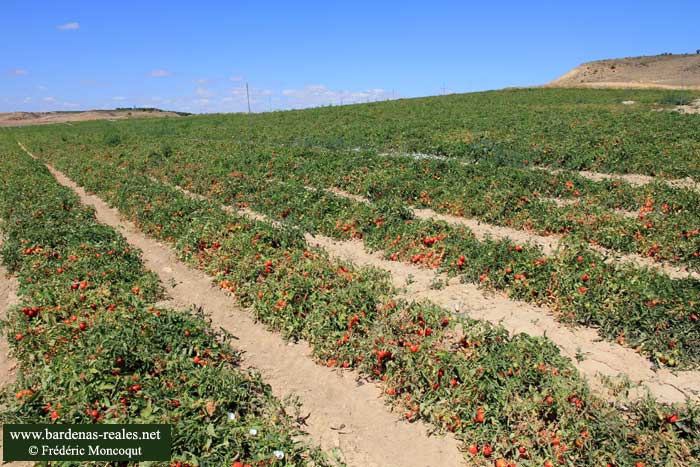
{"points": [[8, 365], [633, 179], [595, 358], [346, 414], [640, 180], [481, 230], [548, 244], [8, 298]]}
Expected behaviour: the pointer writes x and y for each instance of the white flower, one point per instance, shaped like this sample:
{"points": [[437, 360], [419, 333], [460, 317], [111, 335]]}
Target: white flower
{"points": [[232, 416], [279, 454], [252, 432]]}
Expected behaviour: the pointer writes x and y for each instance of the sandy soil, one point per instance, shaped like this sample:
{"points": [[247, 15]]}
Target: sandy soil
{"points": [[483, 230], [548, 244], [692, 108], [632, 179], [639, 180], [344, 194], [8, 298], [346, 413], [600, 358], [42, 118], [623, 85], [8, 365], [659, 71]]}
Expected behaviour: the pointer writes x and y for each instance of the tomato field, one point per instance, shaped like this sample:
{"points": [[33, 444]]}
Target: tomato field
{"points": [[94, 347]]}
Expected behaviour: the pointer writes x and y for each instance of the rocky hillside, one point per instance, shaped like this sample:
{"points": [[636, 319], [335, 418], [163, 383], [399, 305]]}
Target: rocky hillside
{"points": [[658, 71]]}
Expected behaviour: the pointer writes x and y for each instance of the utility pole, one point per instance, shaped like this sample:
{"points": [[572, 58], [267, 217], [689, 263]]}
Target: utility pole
{"points": [[247, 93]]}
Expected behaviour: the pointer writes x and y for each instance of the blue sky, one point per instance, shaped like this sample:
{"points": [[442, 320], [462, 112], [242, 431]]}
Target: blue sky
{"points": [[197, 56]]}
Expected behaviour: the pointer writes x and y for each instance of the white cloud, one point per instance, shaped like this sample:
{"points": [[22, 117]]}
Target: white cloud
{"points": [[68, 26], [203, 104], [18, 72], [204, 93], [49, 99], [236, 79], [203, 81], [119, 98], [27, 100], [319, 94], [40, 88], [313, 95], [160, 73], [237, 101]]}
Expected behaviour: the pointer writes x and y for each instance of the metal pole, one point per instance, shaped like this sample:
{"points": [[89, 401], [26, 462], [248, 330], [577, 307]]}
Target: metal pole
{"points": [[247, 93]]}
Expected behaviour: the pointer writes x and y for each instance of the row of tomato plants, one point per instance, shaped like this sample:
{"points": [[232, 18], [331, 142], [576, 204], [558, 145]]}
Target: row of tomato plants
{"points": [[665, 227], [93, 348], [635, 307], [512, 400], [645, 310], [570, 128]]}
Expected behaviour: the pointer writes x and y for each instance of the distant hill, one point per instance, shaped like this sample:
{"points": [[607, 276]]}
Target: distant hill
{"points": [[658, 71], [38, 118]]}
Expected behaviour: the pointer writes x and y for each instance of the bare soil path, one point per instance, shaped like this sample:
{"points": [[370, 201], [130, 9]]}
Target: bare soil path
{"points": [[8, 365], [600, 358], [346, 414], [8, 298], [480, 229], [548, 243], [633, 179]]}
